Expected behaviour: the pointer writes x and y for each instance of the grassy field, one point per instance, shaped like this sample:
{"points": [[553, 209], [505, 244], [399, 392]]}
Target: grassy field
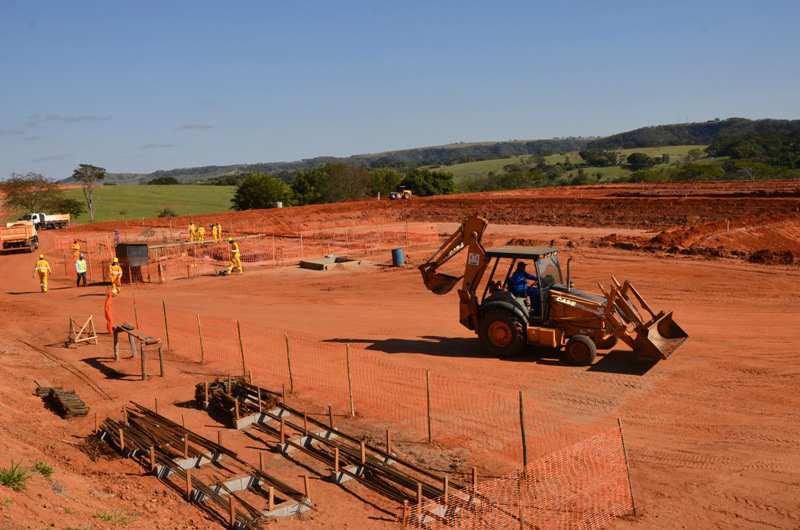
{"points": [[479, 169], [135, 202]]}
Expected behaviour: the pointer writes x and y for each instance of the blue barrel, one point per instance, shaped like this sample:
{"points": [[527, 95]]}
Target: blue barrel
{"points": [[398, 260]]}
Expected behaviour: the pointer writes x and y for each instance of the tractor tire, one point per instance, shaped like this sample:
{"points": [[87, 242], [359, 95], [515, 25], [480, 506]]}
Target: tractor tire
{"points": [[580, 351], [608, 343], [502, 333]]}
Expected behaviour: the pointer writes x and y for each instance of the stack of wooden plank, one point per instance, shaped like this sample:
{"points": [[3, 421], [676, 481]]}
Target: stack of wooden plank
{"points": [[65, 403]]}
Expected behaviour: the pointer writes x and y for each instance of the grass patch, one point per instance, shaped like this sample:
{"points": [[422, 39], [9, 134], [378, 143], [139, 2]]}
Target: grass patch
{"points": [[121, 203], [43, 468], [14, 477], [116, 517]]}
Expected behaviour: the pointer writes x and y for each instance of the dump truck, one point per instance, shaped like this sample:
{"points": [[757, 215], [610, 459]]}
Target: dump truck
{"points": [[47, 221], [19, 236], [577, 321]]}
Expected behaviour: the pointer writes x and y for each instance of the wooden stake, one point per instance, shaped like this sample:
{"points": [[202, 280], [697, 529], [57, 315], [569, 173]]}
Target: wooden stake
{"points": [[122, 439], [188, 485], [155, 401], [250, 375], [236, 408], [183, 420], [135, 312], [166, 323], [335, 459], [428, 393], [200, 333], [161, 360], [219, 437], [289, 362], [233, 512], [388, 441], [474, 479], [261, 461], [116, 345], [259, 399], [330, 416], [522, 429], [241, 348], [186, 446], [230, 385], [305, 423], [152, 458], [271, 498], [143, 362], [283, 430], [305, 486], [205, 389], [363, 452], [350, 384], [446, 488]]}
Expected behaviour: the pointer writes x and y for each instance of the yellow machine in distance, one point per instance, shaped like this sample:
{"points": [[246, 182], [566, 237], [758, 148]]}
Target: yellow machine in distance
{"points": [[576, 320]]}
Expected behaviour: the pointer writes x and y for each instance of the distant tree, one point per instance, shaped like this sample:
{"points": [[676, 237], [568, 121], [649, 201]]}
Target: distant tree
{"points": [[109, 183], [166, 212], [89, 175], [163, 181], [599, 157], [423, 182], [651, 175], [31, 192], [307, 185], [639, 161], [696, 172], [694, 155], [385, 180], [73, 207], [259, 190], [333, 182]]}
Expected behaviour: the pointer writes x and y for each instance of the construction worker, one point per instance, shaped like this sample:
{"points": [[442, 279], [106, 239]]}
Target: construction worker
{"points": [[42, 269], [214, 232], [80, 268], [192, 231], [115, 277], [236, 257], [518, 285], [201, 233], [76, 249], [219, 231]]}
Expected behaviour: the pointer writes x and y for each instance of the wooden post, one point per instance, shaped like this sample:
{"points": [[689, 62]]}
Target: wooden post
{"points": [[135, 311], [124, 414], [335, 459], [283, 430], [200, 333], [305, 486], [289, 362], [166, 323], [116, 345], [250, 376], [259, 399], [122, 439], [205, 390], [144, 363], [271, 498], [233, 512], [330, 416], [161, 360], [261, 461], [155, 402], [241, 348], [305, 423], [388, 441], [230, 385], [428, 393], [183, 420], [236, 408], [188, 485], [363, 452], [350, 384], [132, 343], [446, 488], [152, 458], [219, 437], [522, 429]]}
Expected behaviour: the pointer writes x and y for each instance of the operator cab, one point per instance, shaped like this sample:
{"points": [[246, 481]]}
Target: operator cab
{"points": [[547, 270]]}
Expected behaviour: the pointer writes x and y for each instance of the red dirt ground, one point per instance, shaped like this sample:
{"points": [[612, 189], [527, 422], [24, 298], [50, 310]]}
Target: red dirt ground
{"points": [[712, 432]]}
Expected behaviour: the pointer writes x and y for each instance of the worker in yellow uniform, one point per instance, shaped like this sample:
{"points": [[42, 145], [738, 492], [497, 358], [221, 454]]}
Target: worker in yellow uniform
{"points": [[214, 232], [76, 249], [115, 277], [236, 257], [42, 269], [192, 231], [219, 231], [201, 233]]}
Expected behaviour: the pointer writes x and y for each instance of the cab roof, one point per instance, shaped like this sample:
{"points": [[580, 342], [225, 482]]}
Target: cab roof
{"points": [[520, 252]]}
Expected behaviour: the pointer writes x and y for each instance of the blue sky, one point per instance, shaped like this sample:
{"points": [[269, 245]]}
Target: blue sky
{"points": [[140, 86]]}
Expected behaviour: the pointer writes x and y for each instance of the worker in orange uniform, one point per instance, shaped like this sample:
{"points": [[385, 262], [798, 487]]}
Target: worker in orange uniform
{"points": [[42, 269], [76, 249], [236, 257], [201, 233], [115, 277], [192, 231]]}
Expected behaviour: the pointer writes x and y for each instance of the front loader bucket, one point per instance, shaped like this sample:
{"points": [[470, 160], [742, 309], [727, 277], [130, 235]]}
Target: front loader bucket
{"points": [[659, 339], [437, 282]]}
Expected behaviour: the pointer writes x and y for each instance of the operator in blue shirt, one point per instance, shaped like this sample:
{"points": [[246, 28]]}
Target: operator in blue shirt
{"points": [[518, 285]]}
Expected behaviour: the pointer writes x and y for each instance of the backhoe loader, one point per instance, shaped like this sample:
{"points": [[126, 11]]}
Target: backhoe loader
{"points": [[563, 316]]}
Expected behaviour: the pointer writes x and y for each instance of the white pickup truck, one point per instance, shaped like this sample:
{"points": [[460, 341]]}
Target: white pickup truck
{"points": [[47, 221]]}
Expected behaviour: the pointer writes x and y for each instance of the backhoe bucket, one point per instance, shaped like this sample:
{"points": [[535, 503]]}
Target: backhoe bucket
{"points": [[659, 339], [437, 282]]}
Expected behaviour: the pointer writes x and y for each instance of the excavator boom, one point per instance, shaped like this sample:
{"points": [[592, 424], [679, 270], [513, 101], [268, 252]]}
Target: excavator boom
{"points": [[471, 229]]}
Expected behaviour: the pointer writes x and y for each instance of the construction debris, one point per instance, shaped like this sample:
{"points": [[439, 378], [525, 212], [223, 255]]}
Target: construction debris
{"points": [[65, 403]]}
